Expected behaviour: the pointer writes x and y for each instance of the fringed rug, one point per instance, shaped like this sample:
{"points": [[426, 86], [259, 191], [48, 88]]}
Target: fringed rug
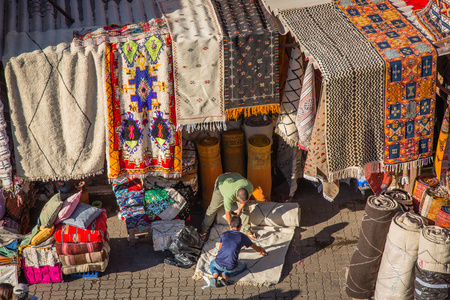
{"points": [[198, 63], [274, 224], [142, 136], [353, 78], [410, 80], [57, 106], [289, 103], [251, 58]]}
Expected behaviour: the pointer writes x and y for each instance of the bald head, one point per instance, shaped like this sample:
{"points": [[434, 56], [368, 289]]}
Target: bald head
{"points": [[242, 195]]}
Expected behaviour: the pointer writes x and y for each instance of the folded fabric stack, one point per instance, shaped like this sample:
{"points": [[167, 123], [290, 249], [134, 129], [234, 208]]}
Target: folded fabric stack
{"points": [[82, 242], [9, 258], [129, 196]]}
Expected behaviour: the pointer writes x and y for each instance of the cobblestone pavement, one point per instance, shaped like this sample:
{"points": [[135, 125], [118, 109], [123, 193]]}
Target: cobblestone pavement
{"points": [[314, 265]]}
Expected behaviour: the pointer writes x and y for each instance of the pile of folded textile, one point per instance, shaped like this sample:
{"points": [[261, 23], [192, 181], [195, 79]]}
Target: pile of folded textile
{"points": [[82, 239], [9, 258]]}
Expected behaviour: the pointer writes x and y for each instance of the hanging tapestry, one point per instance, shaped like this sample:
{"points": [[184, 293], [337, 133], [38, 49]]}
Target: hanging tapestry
{"points": [[286, 118], [442, 145], [251, 58], [353, 78], [434, 20], [198, 63], [306, 109], [56, 97], [142, 136], [409, 85]]}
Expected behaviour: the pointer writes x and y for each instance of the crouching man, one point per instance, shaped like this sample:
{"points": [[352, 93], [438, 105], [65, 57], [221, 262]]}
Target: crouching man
{"points": [[226, 262]]}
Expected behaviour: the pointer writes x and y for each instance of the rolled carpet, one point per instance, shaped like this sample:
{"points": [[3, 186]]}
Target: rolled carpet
{"points": [[259, 170], [433, 264], [365, 262], [443, 217], [432, 201], [396, 275], [434, 249], [234, 152], [208, 148], [421, 184], [259, 124], [403, 199]]}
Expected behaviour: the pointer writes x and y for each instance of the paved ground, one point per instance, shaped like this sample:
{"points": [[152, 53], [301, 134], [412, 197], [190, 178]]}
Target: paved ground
{"points": [[314, 266]]}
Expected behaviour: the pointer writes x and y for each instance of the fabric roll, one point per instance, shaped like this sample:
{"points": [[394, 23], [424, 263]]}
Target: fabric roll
{"points": [[434, 250], [403, 199], [259, 167], [443, 217], [261, 124], [268, 214], [251, 53], [100, 267], [431, 285], [421, 184], [432, 201], [365, 262], [233, 144], [289, 103], [86, 258], [395, 279], [210, 166], [198, 63]]}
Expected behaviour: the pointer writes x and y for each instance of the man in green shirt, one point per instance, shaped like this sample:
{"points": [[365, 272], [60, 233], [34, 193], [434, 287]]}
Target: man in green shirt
{"points": [[230, 188]]}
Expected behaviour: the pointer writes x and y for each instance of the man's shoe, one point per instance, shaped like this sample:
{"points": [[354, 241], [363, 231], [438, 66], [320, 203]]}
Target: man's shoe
{"points": [[213, 282]]}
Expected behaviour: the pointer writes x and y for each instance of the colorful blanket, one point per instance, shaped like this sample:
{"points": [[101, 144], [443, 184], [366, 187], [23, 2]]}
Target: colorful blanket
{"points": [[136, 219], [409, 86], [251, 58], [434, 19], [70, 234], [353, 78], [56, 97], [198, 63]]}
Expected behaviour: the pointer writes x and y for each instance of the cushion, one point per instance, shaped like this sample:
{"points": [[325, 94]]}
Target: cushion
{"points": [[50, 211], [83, 216], [68, 207], [96, 232], [43, 234]]}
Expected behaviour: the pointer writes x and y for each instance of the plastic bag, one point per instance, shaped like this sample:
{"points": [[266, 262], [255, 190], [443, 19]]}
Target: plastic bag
{"points": [[185, 248]]}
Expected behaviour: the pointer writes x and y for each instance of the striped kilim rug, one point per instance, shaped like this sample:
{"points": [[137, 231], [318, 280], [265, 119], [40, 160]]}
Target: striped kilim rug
{"points": [[353, 78]]}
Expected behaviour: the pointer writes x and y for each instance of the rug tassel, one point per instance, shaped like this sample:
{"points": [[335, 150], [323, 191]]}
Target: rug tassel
{"points": [[234, 114]]}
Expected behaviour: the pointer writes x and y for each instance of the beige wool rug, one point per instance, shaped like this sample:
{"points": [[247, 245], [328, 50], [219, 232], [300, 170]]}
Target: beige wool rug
{"points": [[274, 224], [57, 101]]}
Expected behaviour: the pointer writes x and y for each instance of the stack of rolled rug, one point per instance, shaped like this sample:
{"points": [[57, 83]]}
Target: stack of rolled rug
{"points": [[396, 275], [365, 262], [432, 270], [403, 199]]}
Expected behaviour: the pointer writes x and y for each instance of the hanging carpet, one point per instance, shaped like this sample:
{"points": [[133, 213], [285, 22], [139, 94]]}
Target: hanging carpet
{"points": [[290, 101], [409, 81], [142, 136], [353, 78], [198, 63], [251, 58], [56, 96]]}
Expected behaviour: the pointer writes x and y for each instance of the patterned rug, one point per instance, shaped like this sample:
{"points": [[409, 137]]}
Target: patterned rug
{"points": [[306, 109], [142, 136], [409, 85], [289, 104], [353, 78], [56, 97], [198, 63], [251, 58], [434, 19]]}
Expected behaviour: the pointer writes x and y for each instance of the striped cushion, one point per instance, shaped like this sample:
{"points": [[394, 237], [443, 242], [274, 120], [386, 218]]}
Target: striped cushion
{"points": [[96, 232]]}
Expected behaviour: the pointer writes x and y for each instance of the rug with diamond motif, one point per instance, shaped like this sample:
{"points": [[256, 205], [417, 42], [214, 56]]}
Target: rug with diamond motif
{"points": [[142, 136]]}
